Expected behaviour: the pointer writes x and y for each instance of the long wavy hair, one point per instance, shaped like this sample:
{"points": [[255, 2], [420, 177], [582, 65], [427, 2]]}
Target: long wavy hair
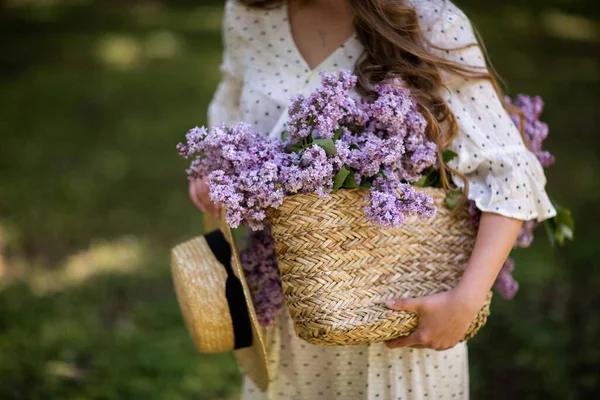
{"points": [[395, 47]]}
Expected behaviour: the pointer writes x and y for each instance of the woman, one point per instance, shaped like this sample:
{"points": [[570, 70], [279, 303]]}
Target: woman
{"points": [[276, 49]]}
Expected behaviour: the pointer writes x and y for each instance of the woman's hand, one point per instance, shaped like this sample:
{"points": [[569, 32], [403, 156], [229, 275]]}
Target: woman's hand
{"points": [[199, 195], [443, 319]]}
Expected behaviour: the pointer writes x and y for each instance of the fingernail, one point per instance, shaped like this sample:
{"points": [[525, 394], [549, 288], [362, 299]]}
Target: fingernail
{"points": [[390, 303]]}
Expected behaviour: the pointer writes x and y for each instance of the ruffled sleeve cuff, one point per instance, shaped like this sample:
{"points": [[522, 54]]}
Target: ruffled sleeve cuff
{"points": [[509, 183]]}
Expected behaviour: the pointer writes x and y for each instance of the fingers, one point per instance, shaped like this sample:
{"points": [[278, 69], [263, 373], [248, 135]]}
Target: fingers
{"points": [[204, 194], [193, 191], [199, 194], [436, 328], [409, 304], [417, 338], [414, 339]]}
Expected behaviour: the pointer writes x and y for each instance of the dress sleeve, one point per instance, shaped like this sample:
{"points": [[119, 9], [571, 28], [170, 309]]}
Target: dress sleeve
{"points": [[504, 176], [225, 104]]}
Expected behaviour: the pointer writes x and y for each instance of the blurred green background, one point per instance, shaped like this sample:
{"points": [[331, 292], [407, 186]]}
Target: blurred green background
{"points": [[94, 95]]}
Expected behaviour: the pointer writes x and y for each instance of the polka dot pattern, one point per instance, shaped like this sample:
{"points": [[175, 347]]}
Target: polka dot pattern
{"points": [[504, 176], [262, 70], [305, 371]]}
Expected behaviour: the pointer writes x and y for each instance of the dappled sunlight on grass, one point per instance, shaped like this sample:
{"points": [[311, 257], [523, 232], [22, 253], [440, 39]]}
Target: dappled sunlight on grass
{"points": [[191, 19], [163, 45], [64, 370], [128, 52], [553, 23], [119, 256], [119, 51], [573, 27], [105, 335]]}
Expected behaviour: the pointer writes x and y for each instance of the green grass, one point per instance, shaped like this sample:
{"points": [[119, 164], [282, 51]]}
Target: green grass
{"points": [[93, 98], [88, 155], [115, 336]]}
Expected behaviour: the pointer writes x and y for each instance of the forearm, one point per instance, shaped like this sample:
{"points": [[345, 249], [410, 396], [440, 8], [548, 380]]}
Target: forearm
{"points": [[495, 239]]}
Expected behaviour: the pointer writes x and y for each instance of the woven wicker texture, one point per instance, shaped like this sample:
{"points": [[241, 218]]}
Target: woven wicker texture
{"points": [[338, 269], [200, 286]]}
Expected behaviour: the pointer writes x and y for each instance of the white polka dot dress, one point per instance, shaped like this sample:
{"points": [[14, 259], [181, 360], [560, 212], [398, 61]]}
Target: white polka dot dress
{"points": [[262, 69], [304, 371]]}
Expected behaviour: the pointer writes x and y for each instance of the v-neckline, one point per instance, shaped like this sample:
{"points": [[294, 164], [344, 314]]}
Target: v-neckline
{"points": [[287, 18]]}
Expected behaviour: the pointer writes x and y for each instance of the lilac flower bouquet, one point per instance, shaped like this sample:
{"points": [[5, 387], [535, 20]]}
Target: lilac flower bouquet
{"points": [[333, 142]]}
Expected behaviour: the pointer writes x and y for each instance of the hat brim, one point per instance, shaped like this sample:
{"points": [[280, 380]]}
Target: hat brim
{"points": [[199, 279], [253, 359]]}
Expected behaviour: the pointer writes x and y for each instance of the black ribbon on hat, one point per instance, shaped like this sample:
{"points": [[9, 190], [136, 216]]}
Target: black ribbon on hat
{"points": [[238, 309]]}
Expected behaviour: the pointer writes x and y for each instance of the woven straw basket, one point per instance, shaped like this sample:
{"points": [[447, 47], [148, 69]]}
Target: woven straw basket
{"points": [[338, 269]]}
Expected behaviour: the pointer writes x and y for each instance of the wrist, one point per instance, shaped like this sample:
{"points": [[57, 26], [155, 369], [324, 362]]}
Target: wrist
{"points": [[471, 296]]}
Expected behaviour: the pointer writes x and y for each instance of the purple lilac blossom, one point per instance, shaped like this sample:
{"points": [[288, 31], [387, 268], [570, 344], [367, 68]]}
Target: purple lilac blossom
{"points": [[394, 112], [243, 170], [393, 201], [372, 153], [394, 115], [475, 214], [505, 283], [342, 155], [320, 113], [262, 275], [420, 155], [248, 173], [536, 131], [317, 171], [526, 234]]}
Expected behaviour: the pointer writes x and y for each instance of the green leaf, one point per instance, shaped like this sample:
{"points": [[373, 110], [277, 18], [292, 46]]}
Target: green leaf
{"points": [[561, 227], [327, 144], [421, 182], [452, 202], [366, 184], [340, 177], [566, 232], [564, 217], [564, 225], [453, 199], [550, 229], [285, 134], [295, 148], [448, 156], [337, 134], [435, 180], [350, 182], [430, 179]]}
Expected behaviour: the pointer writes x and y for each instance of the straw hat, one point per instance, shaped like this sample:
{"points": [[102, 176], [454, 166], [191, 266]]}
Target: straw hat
{"points": [[215, 300]]}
